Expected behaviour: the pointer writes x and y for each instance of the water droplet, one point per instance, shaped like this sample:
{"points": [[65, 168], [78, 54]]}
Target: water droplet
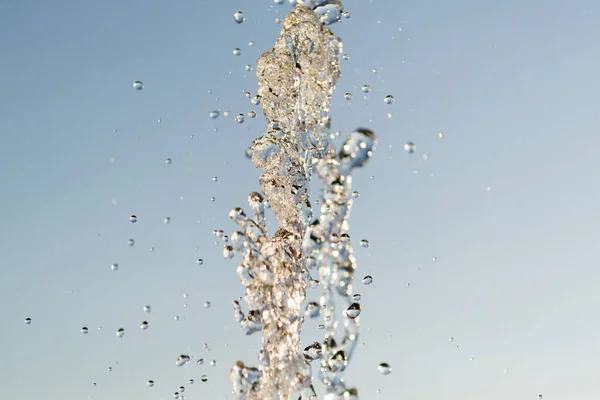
{"points": [[278, 1], [150, 383], [200, 261], [114, 267], [84, 330], [133, 218], [239, 118], [256, 100], [181, 389], [389, 99], [410, 147], [182, 360], [120, 332], [200, 361], [204, 378], [239, 17], [313, 352], [252, 114], [329, 11], [366, 88], [130, 242], [138, 85], [353, 311], [168, 161], [248, 67], [312, 310], [144, 325], [147, 308], [207, 304], [167, 220], [28, 321], [237, 51], [451, 339], [384, 368], [346, 57], [348, 96], [364, 243], [355, 194], [228, 252], [214, 114], [356, 297], [367, 280], [358, 148], [489, 188], [441, 135], [109, 369], [191, 381]]}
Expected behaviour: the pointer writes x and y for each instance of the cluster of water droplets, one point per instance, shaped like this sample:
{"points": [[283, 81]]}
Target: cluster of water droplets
{"points": [[296, 80]]}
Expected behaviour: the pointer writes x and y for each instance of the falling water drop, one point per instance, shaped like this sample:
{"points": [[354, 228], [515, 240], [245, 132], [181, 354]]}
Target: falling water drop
{"points": [[147, 308], [168, 161], [130, 242], [182, 360], [410, 147], [348, 96], [214, 114], [367, 280], [150, 383], [204, 378], [84, 330], [114, 267], [353, 311], [120, 332], [366, 88], [313, 352], [364, 243], [384, 368], [389, 99], [138, 85], [239, 118], [28, 321], [228, 252], [237, 51], [200, 261], [144, 325], [312, 310], [133, 219], [239, 17]]}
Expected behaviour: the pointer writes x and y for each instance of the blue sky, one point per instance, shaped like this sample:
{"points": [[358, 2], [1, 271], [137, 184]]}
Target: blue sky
{"points": [[506, 201]]}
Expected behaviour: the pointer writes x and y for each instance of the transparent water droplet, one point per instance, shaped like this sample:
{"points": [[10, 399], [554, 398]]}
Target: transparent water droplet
{"points": [[239, 17], [366, 88], [228, 252], [109, 369], [168, 161], [182, 360], [138, 85], [204, 378], [441, 135], [384, 368], [410, 147], [147, 308], [167, 220], [278, 2], [114, 267], [144, 325], [451, 339], [237, 51], [313, 352], [355, 194], [329, 11], [356, 297], [358, 148], [207, 304], [214, 114], [338, 362], [120, 332], [248, 67], [312, 310], [364, 243], [130, 242], [200, 361], [84, 330], [252, 114], [150, 383], [389, 99], [27, 321], [213, 363], [348, 96], [200, 261], [346, 57], [133, 219], [239, 118], [353, 311], [191, 381], [256, 100], [367, 280], [181, 389]]}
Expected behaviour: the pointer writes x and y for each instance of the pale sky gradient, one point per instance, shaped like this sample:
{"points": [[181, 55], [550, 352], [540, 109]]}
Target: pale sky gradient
{"points": [[514, 87]]}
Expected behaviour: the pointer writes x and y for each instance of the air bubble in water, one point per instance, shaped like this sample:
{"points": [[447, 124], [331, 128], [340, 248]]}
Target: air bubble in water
{"points": [[138, 85], [182, 360], [150, 383], [133, 218], [147, 308], [353, 311], [364, 243], [114, 267], [144, 325], [239, 17], [389, 99], [384, 368], [28, 321], [410, 147], [367, 280], [120, 332], [239, 118], [84, 330], [204, 378], [366, 88], [214, 114], [237, 51]]}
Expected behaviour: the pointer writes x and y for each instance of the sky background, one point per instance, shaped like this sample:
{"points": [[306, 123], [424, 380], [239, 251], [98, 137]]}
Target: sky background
{"points": [[507, 201]]}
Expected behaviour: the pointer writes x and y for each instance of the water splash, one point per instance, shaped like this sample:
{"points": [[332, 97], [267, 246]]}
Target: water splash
{"points": [[296, 80]]}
